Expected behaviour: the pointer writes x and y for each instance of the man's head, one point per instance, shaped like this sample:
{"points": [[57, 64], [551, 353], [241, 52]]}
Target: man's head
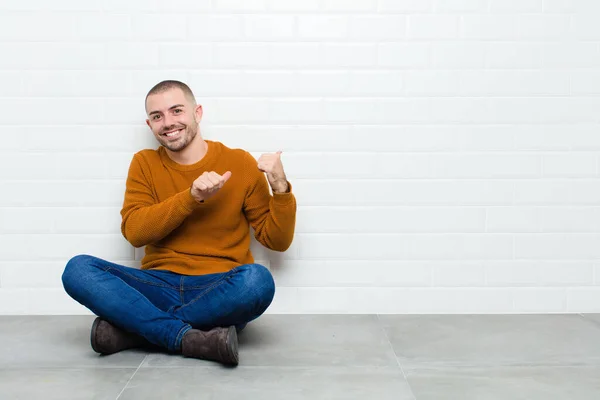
{"points": [[173, 114]]}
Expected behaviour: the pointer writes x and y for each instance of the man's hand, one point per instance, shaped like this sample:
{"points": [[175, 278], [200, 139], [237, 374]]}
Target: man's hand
{"points": [[207, 184], [272, 166]]}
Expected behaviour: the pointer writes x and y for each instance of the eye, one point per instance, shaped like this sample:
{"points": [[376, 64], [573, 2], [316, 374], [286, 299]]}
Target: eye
{"points": [[178, 110], [155, 117]]}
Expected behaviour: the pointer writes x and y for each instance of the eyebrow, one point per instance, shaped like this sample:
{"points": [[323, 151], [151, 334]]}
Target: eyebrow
{"points": [[170, 108]]}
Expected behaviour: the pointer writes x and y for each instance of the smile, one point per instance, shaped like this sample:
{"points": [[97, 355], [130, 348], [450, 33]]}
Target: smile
{"points": [[172, 134]]}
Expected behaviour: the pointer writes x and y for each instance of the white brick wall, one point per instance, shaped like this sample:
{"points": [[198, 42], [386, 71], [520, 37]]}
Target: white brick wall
{"points": [[445, 153]]}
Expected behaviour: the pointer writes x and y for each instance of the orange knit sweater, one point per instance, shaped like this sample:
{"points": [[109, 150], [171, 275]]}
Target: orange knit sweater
{"points": [[191, 238]]}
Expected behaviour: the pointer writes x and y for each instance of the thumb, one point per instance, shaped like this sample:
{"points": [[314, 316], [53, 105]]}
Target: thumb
{"points": [[226, 176]]}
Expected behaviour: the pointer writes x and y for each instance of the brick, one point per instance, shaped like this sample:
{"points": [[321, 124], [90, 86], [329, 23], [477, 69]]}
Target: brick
{"points": [[433, 82], [557, 192], [350, 5], [441, 27], [461, 6], [375, 83], [269, 28], [49, 27], [207, 28], [585, 82], [544, 27], [570, 165], [582, 299], [557, 246], [569, 219], [488, 27], [349, 55], [294, 111], [59, 5], [134, 55], [585, 28], [321, 83], [239, 56], [405, 55], [540, 300], [191, 55], [103, 27], [389, 27], [322, 27], [459, 274], [239, 5], [573, 55], [158, 27], [559, 6], [513, 273], [517, 6], [513, 219], [187, 5], [458, 55], [514, 83], [406, 6], [130, 6], [294, 6]]}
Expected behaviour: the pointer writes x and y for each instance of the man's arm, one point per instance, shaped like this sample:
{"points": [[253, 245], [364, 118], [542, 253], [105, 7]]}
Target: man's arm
{"points": [[273, 217], [145, 221]]}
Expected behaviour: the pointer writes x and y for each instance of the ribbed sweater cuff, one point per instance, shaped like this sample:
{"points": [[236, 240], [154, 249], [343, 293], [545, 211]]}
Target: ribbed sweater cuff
{"points": [[284, 198], [187, 200]]}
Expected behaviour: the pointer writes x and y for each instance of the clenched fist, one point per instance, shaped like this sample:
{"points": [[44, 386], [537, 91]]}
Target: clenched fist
{"points": [[272, 166], [207, 184]]}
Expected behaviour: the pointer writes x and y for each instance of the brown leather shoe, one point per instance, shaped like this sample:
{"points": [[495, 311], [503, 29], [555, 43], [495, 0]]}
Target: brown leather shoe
{"points": [[218, 344], [108, 339]]}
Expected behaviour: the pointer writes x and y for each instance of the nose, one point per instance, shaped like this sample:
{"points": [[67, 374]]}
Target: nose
{"points": [[168, 121]]}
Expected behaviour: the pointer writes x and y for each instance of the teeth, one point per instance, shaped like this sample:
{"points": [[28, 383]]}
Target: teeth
{"points": [[171, 133]]}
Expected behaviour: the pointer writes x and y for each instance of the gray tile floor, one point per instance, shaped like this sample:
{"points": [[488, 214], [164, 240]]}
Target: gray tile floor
{"points": [[458, 357]]}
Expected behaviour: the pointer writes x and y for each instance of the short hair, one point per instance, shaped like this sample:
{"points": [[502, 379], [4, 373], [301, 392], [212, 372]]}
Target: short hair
{"points": [[171, 84]]}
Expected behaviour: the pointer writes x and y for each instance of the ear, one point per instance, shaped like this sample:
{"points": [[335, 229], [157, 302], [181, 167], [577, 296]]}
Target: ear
{"points": [[148, 123], [198, 112]]}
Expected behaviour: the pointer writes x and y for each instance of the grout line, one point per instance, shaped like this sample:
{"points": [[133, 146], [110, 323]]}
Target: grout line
{"points": [[131, 377], [395, 356]]}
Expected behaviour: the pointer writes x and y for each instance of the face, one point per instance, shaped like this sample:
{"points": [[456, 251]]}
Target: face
{"points": [[173, 118]]}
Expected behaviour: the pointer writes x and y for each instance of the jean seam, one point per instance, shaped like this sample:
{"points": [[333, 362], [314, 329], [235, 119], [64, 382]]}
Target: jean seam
{"points": [[181, 292], [138, 279], [210, 284], [208, 290]]}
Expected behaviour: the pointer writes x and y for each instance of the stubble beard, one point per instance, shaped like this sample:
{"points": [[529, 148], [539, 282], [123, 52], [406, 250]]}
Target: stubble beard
{"points": [[189, 133]]}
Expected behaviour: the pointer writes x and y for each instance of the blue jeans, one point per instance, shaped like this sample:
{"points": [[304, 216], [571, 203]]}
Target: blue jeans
{"points": [[162, 306]]}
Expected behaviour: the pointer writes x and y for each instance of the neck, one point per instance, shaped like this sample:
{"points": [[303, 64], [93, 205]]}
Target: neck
{"points": [[192, 153]]}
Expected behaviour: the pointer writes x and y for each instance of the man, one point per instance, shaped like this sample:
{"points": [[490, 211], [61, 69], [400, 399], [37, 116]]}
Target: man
{"points": [[191, 202]]}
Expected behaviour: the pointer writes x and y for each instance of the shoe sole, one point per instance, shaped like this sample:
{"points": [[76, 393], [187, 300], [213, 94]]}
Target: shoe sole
{"points": [[232, 345], [93, 334]]}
